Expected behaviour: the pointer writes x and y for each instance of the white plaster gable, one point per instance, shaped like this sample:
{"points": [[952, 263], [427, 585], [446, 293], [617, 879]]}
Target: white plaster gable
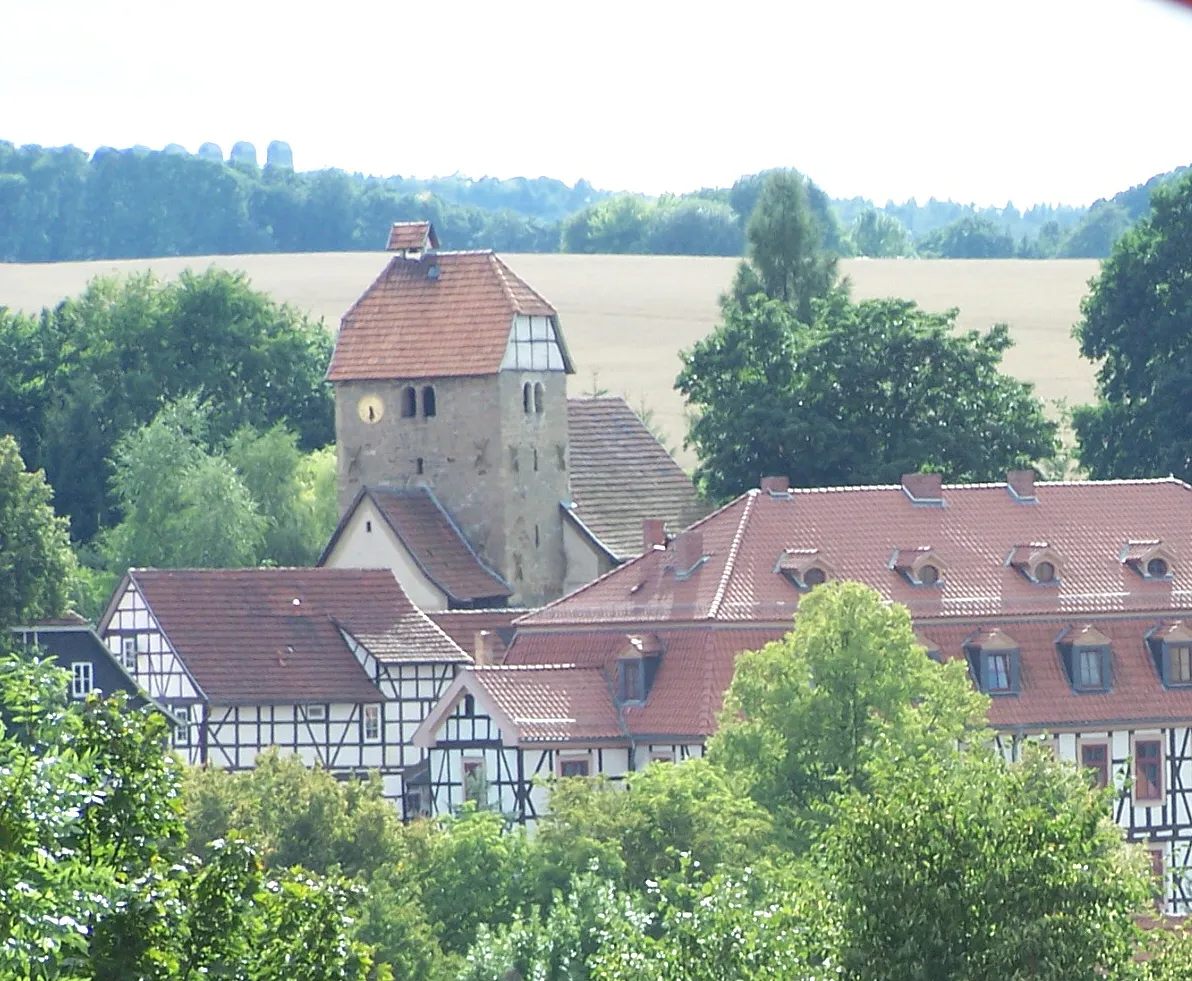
{"points": [[533, 345]]}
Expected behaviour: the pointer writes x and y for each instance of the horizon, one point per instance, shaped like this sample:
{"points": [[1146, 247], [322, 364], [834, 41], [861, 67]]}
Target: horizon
{"points": [[1022, 109]]}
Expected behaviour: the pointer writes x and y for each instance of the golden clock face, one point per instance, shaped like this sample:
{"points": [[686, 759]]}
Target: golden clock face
{"points": [[371, 408]]}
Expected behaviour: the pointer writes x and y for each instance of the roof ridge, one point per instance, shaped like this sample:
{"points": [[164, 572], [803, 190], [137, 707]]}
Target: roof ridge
{"points": [[730, 562], [569, 665]]}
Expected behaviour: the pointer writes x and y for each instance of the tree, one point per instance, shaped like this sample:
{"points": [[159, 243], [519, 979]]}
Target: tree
{"points": [[1093, 238], [870, 391], [970, 237], [961, 865], [692, 226], [1135, 325], [183, 507], [615, 225], [787, 261], [879, 235], [692, 809], [37, 566], [804, 716], [92, 880]]}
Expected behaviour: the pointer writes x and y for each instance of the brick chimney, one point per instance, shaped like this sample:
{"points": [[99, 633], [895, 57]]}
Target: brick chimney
{"points": [[1021, 484], [924, 487], [482, 647], [653, 533], [776, 485], [688, 549]]}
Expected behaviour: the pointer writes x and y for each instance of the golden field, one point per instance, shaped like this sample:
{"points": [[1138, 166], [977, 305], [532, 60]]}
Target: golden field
{"points": [[626, 318]]}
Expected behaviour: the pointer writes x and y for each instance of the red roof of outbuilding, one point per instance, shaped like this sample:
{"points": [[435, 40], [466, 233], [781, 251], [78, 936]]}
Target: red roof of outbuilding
{"points": [[443, 314], [256, 635], [412, 235], [855, 532]]}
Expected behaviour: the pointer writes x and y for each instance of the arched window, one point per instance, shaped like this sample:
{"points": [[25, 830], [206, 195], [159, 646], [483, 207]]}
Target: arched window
{"points": [[539, 397], [409, 403], [428, 401], [527, 397]]}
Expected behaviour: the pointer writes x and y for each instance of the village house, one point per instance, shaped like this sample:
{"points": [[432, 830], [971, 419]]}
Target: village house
{"points": [[1070, 602], [334, 665], [463, 465]]}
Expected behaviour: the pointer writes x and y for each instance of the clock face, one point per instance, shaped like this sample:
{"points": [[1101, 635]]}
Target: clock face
{"points": [[371, 408]]}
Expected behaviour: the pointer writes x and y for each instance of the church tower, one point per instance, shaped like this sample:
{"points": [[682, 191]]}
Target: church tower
{"points": [[450, 373]]}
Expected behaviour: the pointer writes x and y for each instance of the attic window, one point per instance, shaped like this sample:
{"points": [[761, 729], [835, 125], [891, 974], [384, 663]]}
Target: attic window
{"points": [[1157, 568], [1037, 562], [929, 575], [631, 684], [803, 568], [994, 660], [1149, 559], [815, 576], [1088, 659], [1171, 649], [920, 566]]}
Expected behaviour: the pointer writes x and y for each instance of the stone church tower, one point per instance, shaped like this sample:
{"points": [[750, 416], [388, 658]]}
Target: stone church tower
{"points": [[450, 373]]}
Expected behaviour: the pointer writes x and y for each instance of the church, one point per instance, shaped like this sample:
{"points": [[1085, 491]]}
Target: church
{"points": [[463, 465]]}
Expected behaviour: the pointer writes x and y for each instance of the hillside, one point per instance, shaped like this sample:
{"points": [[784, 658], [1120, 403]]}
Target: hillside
{"points": [[627, 317]]}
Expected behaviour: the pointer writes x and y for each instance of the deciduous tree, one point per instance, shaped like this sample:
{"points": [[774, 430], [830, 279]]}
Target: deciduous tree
{"points": [[805, 715], [1135, 325], [37, 566], [868, 392]]}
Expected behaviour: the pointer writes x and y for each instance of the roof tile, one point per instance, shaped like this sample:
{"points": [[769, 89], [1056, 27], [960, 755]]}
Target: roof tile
{"points": [[552, 702]]}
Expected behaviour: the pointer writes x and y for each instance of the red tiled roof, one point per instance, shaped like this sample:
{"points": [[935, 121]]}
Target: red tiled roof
{"points": [[462, 626], [856, 531], [621, 474], [412, 235], [255, 635], [433, 540], [694, 670], [444, 314], [1047, 698], [550, 703]]}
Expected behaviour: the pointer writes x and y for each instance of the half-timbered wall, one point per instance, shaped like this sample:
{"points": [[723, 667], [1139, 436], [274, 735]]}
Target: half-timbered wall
{"points": [[1166, 822], [134, 637]]}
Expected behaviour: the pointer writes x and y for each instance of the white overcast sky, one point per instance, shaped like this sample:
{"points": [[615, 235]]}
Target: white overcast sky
{"points": [[1029, 100]]}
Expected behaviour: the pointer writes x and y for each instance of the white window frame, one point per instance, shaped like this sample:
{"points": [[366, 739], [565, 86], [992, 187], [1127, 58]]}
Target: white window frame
{"points": [[129, 649], [315, 712], [585, 758], [371, 718], [82, 679], [477, 762]]}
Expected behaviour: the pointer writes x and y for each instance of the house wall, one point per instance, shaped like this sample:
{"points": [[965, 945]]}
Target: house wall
{"points": [[1167, 823], [379, 548], [157, 667], [70, 646], [516, 778], [583, 561]]}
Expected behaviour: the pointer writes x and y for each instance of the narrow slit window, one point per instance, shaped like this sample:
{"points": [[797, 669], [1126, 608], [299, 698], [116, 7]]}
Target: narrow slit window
{"points": [[428, 401], [372, 722], [539, 398], [409, 403], [527, 397]]}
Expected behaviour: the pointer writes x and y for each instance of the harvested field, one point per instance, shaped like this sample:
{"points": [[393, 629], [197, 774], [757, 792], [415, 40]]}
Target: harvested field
{"points": [[627, 317]]}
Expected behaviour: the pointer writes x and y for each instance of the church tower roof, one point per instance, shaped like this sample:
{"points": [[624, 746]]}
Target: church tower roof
{"points": [[440, 314]]}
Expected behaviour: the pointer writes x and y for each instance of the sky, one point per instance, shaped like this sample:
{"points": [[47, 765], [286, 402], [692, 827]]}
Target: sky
{"points": [[1024, 100]]}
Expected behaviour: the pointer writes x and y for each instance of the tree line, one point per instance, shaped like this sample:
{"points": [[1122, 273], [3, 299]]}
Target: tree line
{"points": [[858, 827], [60, 204]]}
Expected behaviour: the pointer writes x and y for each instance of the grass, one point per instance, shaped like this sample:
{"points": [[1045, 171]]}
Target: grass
{"points": [[627, 317]]}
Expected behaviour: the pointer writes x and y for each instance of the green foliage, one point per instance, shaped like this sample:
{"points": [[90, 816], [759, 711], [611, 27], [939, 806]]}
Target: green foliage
{"points": [[971, 237], [294, 815], [97, 366], [724, 926], [37, 566], [615, 225], [1135, 324], [692, 226], [92, 883], [868, 392], [787, 259], [1169, 953], [1095, 236], [964, 866], [633, 836], [879, 235], [183, 507], [805, 716]]}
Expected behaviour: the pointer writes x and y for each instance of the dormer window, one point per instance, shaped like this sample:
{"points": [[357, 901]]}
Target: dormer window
{"points": [[803, 568], [1149, 559], [919, 566], [636, 668], [994, 661], [631, 682], [1037, 562], [1171, 649], [1087, 655]]}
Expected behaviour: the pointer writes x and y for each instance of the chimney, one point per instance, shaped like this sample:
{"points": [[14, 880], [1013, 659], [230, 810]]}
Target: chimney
{"points": [[924, 488], [688, 549], [776, 485], [482, 647], [653, 533], [1021, 484]]}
